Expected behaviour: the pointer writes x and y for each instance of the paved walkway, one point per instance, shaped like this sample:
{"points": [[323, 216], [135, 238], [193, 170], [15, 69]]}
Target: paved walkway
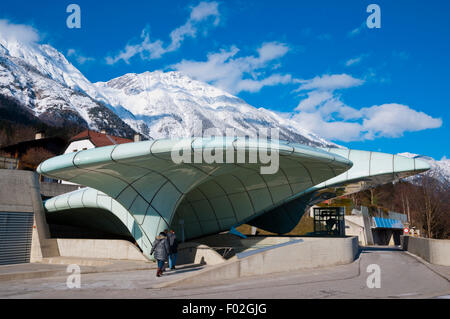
{"points": [[402, 276], [57, 266]]}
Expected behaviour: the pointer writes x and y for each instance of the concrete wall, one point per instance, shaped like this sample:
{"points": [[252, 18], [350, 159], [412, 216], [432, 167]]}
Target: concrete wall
{"points": [[311, 253], [195, 253], [435, 251], [99, 248], [55, 189], [15, 191], [354, 226], [20, 192]]}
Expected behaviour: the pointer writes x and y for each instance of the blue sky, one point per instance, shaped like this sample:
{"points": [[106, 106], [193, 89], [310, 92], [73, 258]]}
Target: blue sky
{"points": [[314, 61]]}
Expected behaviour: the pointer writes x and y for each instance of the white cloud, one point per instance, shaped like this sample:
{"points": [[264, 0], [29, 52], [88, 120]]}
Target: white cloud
{"points": [[81, 59], [148, 49], [18, 32], [357, 30], [356, 60], [314, 99], [323, 112], [330, 82], [392, 120], [250, 85], [235, 74], [329, 117], [333, 130], [205, 10], [271, 50]]}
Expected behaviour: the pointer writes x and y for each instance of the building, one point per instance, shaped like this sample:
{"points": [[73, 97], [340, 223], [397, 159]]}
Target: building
{"points": [[142, 191], [376, 227], [12, 156], [89, 139]]}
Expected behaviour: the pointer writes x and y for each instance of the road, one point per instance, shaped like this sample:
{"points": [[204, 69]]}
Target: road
{"points": [[401, 276]]}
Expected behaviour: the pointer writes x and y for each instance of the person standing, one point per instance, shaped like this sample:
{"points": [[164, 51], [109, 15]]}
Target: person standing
{"points": [[173, 248], [161, 251]]}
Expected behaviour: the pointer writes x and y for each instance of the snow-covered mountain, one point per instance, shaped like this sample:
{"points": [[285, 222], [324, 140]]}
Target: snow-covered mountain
{"points": [[155, 104], [439, 169], [41, 80], [161, 104]]}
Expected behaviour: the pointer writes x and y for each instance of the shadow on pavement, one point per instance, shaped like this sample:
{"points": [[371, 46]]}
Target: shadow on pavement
{"points": [[370, 249], [185, 269]]}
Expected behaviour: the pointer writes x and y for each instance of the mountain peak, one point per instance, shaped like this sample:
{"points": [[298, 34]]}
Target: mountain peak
{"points": [[439, 169], [156, 104]]}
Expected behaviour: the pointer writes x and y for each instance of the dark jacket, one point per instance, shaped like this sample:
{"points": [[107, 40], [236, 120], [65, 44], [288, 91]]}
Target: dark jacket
{"points": [[173, 243], [160, 248]]}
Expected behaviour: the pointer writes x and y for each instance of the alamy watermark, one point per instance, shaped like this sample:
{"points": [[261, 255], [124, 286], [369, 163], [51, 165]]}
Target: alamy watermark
{"points": [[374, 19], [230, 147], [74, 279], [374, 279], [74, 19]]}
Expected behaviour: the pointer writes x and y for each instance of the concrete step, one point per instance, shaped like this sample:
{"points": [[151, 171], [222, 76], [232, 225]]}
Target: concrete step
{"points": [[30, 271], [57, 266], [76, 261]]}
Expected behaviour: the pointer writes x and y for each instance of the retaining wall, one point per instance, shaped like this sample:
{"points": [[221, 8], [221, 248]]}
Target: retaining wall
{"points": [[435, 251], [99, 248], [310, 253]]}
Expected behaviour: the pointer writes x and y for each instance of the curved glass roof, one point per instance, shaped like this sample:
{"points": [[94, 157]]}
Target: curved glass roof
{"points": [[369, 170], [205, 198]]}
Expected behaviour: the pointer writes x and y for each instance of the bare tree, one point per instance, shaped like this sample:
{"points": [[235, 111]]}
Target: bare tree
{"points": [[431, 202]]}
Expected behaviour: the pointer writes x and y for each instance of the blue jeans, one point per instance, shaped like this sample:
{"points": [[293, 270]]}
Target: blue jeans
{"points": [[172, 260], [161, 264]]}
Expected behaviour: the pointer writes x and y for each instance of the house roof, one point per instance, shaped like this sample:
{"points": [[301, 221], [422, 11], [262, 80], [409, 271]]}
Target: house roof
{"points": [[100, 139]]}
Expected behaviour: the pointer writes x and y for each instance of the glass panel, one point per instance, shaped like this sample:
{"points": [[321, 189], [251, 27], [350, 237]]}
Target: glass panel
{"points": [[139, 209], [361, 162], [150, 223], [222, 207], [280, 193], [402, 164], [127, 197], [148, 185], [75, 199], [203, 210], [242, 205], [261, 199], [93, 156], [132, 150], [166, 200]]}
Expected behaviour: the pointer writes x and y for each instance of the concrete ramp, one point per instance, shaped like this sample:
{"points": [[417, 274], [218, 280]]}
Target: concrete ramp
{"points": [[291, 256]]}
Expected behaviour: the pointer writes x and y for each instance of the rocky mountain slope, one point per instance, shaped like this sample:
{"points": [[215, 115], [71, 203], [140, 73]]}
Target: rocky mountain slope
{"points": [[162, 104], [41, 80], [155, 104], [439, 169]]}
